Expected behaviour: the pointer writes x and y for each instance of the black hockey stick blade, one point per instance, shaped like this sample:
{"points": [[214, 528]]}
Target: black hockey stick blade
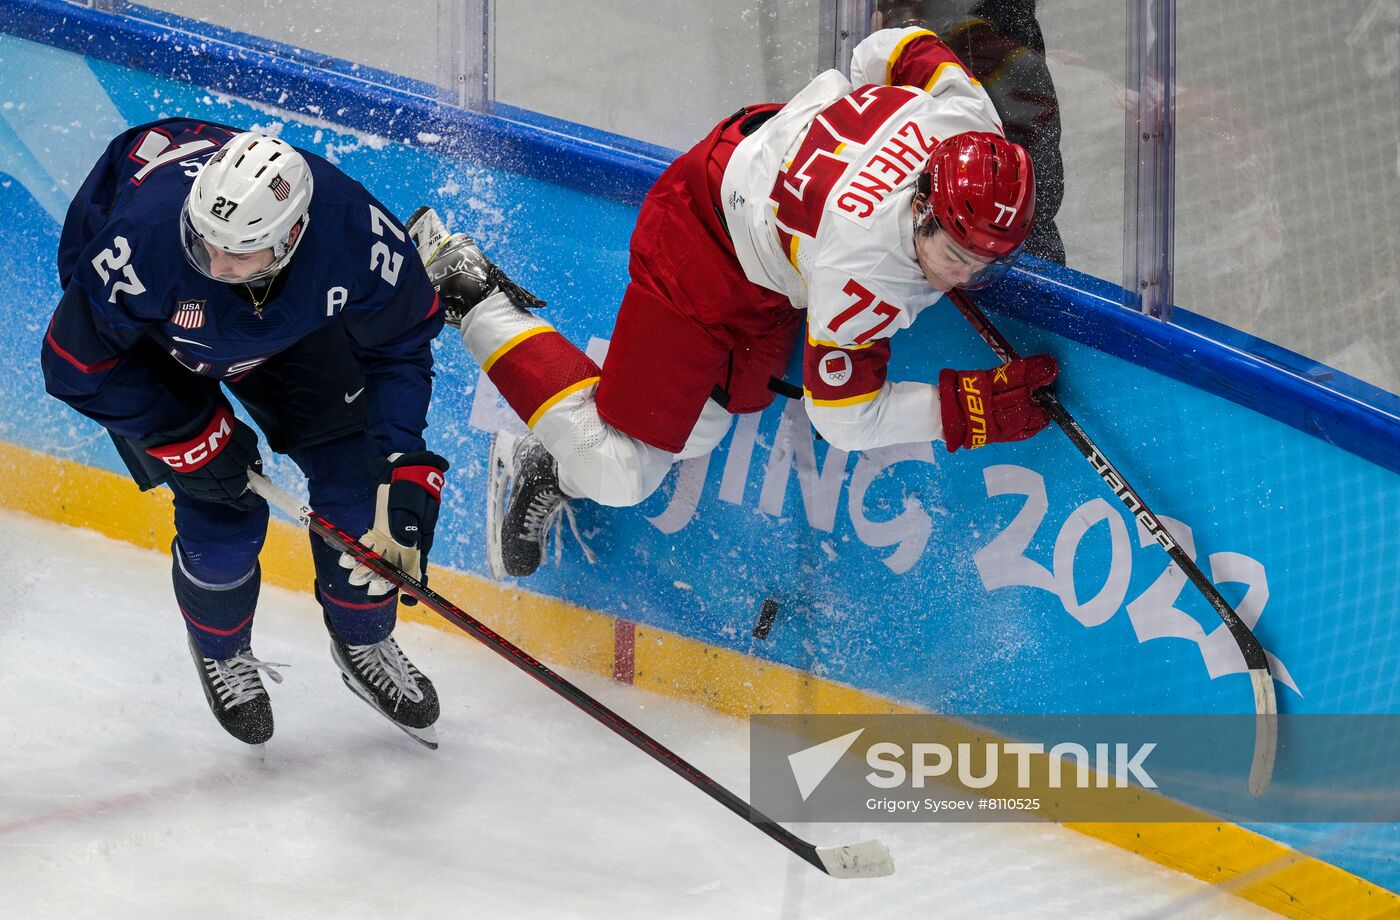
{"points": [[869, 859], [1255, 658]]}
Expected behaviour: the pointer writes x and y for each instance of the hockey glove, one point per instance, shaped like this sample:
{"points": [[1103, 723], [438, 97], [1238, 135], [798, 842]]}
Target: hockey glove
{"points": [[405, 515], [993, 406], [211, 458]]}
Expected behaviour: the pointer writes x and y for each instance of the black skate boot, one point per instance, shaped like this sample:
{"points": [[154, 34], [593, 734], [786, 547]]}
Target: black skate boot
{"points": [[382, 676], [235, 693], [524, 504], [460, 273]]}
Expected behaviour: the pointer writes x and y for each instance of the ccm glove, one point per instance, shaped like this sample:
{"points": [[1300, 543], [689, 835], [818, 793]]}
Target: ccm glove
{"points": [[992, 406], [211, 464], [405, 515]]}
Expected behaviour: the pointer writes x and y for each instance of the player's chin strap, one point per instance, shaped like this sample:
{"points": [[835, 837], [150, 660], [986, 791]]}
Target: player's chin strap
{"points": [[1255, 658], [868, 859]]}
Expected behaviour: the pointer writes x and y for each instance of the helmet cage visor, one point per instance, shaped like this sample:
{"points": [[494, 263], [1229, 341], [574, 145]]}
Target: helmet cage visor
{"points": [[989, 274], [986, 272], [196, 248]]}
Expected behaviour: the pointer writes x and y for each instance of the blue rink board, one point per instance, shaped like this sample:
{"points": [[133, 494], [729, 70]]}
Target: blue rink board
{"points": [[1000, 580]]}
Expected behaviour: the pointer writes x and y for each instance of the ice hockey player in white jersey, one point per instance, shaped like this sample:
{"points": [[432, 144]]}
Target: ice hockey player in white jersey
{"points": [[847, 211]]}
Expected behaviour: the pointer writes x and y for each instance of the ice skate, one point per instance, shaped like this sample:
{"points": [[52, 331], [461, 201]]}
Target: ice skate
{"points": [[459, 272], [381, 675], [524, 503], [235, 693]]}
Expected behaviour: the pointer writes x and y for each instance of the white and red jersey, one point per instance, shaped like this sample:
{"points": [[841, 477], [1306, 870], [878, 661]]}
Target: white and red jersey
{"points": [[818, 202]]}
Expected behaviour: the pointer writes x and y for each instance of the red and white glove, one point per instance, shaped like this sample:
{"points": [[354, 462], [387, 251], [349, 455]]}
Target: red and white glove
{"points": [[211, 458], [405, 517], [995, 405]]}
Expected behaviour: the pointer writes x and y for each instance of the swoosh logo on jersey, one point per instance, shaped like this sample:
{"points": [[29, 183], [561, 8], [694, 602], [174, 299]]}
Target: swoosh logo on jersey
{"points": [[351, 397], [189, 341]]}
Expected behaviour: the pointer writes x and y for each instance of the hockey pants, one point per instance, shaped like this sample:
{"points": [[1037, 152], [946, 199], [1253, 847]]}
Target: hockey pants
{"points": [[553, 386], [215, 553]]}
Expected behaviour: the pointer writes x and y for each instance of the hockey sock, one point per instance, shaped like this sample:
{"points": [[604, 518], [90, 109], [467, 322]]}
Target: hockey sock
{"points": [[532, 365], [219, 615], [357, 618]]}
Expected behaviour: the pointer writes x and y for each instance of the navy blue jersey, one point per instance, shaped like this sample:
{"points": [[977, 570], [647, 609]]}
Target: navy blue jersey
{"points": [[126, 282]]}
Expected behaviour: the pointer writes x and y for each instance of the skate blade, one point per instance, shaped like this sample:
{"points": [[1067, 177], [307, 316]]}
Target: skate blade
{"points": [[499, 468], [424, 736]]}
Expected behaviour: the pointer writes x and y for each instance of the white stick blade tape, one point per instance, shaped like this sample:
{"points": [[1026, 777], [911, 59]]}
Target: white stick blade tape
{"points": [[1265, 732], [859, 860]]}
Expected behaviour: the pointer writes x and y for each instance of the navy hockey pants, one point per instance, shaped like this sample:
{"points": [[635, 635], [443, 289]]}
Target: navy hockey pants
{"points": [[215, 564]]}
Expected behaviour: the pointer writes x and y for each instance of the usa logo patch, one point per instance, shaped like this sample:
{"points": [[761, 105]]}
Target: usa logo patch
{"points": [[281, 188], [189, 314], [835, 368]]}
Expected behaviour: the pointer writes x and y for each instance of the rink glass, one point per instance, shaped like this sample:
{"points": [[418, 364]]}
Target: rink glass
{"points": [[1243, 165], [660, 72], [1288, 177], [401, 39]]}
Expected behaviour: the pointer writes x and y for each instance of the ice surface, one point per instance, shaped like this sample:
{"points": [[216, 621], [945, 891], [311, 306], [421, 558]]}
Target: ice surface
{"points": [[121, 797]]}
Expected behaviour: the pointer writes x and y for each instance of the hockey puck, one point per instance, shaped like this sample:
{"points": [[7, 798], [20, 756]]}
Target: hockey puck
{"points": [[767, 613]]}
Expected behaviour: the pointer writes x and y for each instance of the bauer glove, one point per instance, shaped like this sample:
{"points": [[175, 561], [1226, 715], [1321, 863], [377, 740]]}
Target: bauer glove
{"points": [[996, 405], [211, 458], [405, 516]]}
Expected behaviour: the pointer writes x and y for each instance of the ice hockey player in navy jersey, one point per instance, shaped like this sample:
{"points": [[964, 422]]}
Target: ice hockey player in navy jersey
{"points": [[198, 259]]}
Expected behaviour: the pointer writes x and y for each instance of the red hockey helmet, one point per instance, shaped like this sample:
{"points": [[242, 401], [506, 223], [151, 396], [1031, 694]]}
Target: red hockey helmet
{"points": [[979, 188]]}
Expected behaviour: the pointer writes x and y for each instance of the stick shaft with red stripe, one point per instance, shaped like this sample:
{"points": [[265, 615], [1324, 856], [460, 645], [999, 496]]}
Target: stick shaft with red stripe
{"points": [[860, 860]]}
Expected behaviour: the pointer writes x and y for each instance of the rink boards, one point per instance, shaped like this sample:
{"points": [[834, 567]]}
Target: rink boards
{"points": [[999, 580]]}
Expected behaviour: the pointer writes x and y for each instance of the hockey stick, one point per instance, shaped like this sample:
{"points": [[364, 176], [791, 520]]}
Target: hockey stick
{"points": [[869, 859], [1265, 704]]}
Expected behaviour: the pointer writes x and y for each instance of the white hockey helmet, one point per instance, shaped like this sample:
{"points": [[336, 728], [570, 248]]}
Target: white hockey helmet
{"points": [[253, 194]]}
